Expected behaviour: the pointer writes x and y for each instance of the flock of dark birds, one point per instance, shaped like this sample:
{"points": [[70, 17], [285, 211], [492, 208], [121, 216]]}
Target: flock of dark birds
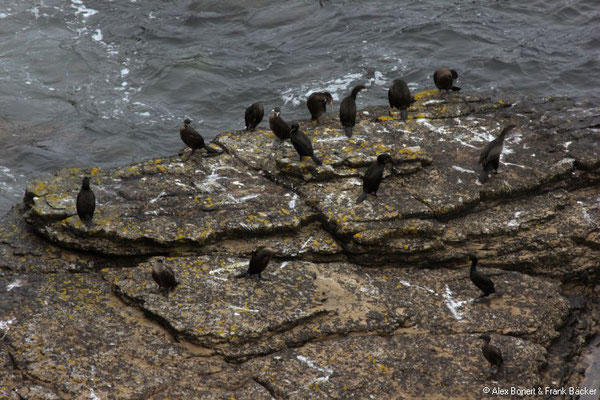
{"points": [[400, 98]]}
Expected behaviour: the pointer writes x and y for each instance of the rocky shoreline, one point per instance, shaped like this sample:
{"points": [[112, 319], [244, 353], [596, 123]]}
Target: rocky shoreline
{"points": [[365, 301]]}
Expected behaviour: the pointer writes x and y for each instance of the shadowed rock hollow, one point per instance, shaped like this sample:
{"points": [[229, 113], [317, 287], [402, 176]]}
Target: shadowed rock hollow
{"points": [[364, 300]]}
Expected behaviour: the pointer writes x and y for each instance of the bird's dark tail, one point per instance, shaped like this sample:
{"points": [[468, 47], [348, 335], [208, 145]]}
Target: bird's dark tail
{"points": [[348, 130], [483, 176], [242, 275], [455, 88], [89, 223], [361, 198], [403, 115], [316, 160]]}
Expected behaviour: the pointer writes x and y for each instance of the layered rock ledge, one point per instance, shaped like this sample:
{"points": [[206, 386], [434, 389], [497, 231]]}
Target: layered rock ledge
{"points": [[365, 301]]}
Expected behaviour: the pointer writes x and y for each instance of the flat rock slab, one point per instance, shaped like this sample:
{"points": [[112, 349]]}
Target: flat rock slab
{"points": [[70, 337], [411, 366], [164, 205], [22, 251], [341, 156], [302, 302]]}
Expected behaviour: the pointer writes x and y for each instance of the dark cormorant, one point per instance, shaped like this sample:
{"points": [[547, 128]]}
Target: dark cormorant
{"points": [[164, 277], [373, 176], [192, 138], [254, 114], [302, 143], [491, 353], [490, 155], [400, 97], [479, 279], [317, 103], [348, 110], [86, 202], [280, 128], [259, 261], [444, 77]]}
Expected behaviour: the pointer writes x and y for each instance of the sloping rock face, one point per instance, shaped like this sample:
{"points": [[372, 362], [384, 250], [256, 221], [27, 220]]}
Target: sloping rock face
{"points": [[364, 301]]}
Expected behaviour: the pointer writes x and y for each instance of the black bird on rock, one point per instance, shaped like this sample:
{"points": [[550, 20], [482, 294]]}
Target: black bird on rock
{"points": [[491, 353], [254, 115], [490, 155], [348, 110], [373, 176], [317, 104], [280, 128], [164, 277], [192, 138], [259, 261], [444, 78], [400, 97], [479, 279], [86, 202], [302, 143]]}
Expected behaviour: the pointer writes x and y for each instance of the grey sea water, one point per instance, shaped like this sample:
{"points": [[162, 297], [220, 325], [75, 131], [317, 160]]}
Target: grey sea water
{"points": [[100, 82]]}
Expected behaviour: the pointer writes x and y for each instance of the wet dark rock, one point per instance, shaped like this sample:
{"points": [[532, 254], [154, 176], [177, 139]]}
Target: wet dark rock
{"points": [[369, 299]]}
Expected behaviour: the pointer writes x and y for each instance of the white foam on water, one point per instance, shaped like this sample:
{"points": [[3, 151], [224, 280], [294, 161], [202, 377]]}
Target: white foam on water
{"points": [[97, 36], [36, 12], [378, 79], [82, 10], [335, 87]]}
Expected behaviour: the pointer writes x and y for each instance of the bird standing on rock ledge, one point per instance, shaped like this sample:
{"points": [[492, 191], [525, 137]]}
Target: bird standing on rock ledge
{"points": [[491, 353], [317, 104], [254, 114], [348, 110], [280, 128], [373, 177], [192, 138], [400, 98], [86, 202], [490, 155], [259, 261], [302, 143], [444, 78], [164, 277], [479, 279]]}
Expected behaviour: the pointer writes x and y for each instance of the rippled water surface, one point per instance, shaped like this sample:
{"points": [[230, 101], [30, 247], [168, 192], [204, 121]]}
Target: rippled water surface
{"points": [[97, 82]]}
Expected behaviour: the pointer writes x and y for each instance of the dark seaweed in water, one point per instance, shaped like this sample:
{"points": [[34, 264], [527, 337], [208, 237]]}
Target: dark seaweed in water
{"points": [[90, 82]]}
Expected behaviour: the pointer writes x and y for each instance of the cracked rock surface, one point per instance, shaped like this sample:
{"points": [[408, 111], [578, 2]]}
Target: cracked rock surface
{"points": [[363, 301]]}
